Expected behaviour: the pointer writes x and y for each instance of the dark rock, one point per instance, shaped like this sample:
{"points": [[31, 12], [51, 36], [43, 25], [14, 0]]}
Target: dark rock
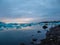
{"points": [[32, 35], [38, 31], [44, 27], [34, 39], [52, 37]]}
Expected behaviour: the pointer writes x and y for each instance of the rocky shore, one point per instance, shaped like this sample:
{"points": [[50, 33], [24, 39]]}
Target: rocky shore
{"points": [[52, 36]]}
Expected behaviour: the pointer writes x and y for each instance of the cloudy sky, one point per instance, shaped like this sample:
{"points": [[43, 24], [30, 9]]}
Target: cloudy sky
{"points": [[29, 10]]}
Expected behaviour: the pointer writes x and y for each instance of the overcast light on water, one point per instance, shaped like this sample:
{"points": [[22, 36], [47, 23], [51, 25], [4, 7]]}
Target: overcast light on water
{"points": [[26, 22]]}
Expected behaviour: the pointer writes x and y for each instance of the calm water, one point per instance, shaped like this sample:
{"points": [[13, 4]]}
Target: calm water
{"points": [[24, 35]]}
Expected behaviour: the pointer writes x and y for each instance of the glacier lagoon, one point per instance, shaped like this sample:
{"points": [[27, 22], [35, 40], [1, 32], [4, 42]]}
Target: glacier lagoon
{"points": [[24, 34]]}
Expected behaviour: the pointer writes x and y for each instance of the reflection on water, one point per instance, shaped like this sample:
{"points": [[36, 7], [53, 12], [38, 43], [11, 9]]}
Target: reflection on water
{"points": [[23, 36], [16, 37]]}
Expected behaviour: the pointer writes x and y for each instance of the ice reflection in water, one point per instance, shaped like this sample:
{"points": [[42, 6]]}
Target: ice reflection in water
{"points": [[24, 35]]}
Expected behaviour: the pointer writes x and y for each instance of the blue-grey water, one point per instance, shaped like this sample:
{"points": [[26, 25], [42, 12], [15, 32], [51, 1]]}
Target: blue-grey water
{"points": [[24, 35]]}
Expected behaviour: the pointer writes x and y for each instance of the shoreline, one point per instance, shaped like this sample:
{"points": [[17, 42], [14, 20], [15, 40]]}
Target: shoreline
{"points": [[52, 36]]}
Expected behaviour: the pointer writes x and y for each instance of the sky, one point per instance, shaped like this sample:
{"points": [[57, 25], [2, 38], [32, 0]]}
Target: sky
{"points": [[24, 11]]}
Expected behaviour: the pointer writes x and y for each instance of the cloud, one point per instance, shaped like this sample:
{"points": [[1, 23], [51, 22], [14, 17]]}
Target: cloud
{"points": [[29, 9], [18, 20]]}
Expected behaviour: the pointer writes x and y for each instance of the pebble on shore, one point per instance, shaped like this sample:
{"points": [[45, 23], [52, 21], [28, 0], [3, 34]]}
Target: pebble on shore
{"points": [[52, 37]]}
